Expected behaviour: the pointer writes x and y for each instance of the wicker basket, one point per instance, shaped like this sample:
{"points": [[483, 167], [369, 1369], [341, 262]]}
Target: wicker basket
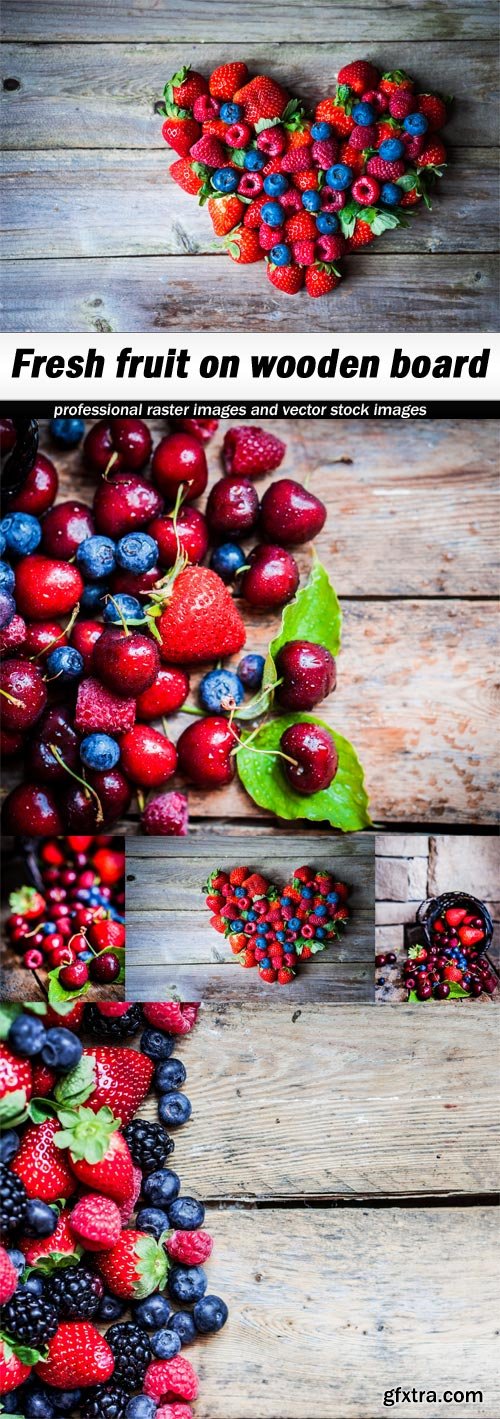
{"points": [[429, 911]]}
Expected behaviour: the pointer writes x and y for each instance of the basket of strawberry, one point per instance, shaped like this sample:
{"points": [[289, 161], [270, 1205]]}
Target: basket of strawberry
{"points": [[451, 960], [296, 191], [273, 929]]}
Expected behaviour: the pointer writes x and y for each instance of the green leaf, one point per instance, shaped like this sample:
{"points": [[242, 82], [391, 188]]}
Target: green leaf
{"points": [[456, 993], [40, 1110], [76, 1087], [13, 1109], [344, 804], [263, 123], [313, 615], [408, 181], [57, 992], [25, 1353], [237, 157], [384, 221]]}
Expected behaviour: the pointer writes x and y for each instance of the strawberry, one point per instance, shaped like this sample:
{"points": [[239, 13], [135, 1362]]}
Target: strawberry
{"points": [[39, 1164], [16, 1085], [359, 76], [434, 109], [225, 213], [261, 98], [320, 280], [12, 1370], [390, 83], [218, 924], [268, 973], [411, 198], [181, 132], [8, 1277], [387, 128], [215, 128], [209, 151], [253, 212], [71, 1019], [183, 174], [28, 903], [108, 1075], [98, 708], [47, 1253], [96, 1222], [106, 935], [352, 156], [306, 181], [470, 935], [166, 1378], [301, 226], [235, 460], [200, 621], [44, 1080], [237, 942], [434, 154], [256, 885], [332, 111], [298, 137], [171, 1016], [186, 86], [452, 973], [285, 976], [78, 1355], [243, 246], [189, 1248], [455, 915], [135, 1267], [98, 1156], [225, 80]]}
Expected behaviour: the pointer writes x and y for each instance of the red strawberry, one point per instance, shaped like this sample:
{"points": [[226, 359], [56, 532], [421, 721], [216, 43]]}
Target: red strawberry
{"points": [[243, 246], [118, 1077], [411, 198], [200, 621], [253, 213], [189, 1248], [167, 1378], [12, 1370], [455, 915], [320, 281], [470, 935], [359, 76], [452, 973], [78, 1355], [209, 151], [72, 1018], [225, 80], [390, 83], [46, 587], [307, 181], [285, 976], [433, 156], [135, 1267], [219, 924], [248, 451], [46, 1253], [387, 128], [237, 942], [8, 1277], [16, 1085], [106, 935], [261, 98], [100, 709], [40, 1165], [225, 213], [183, 174], [301, 226], [98, 1155], [331, 111], [434, 109], [268, 973], [237, 875], [96, 1222], [256, 885], [180, 132], [215, 128], [170, 1016], [187, 86]]}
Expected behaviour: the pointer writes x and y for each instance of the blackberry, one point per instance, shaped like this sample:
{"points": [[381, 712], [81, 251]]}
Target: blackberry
{"points": [[105, 1402], [30, 1319], [75, 1292], [13, 1200], [149, 1144], [132, 1352], [113, 1027]]}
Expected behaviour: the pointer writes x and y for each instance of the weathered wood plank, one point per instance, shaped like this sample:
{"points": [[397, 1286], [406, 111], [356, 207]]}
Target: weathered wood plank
{"points": [[172, 294], [321, 1304], [166, 879], [339, 1102], [103, 95], [347, 983], [119, 203], [174, 938]]}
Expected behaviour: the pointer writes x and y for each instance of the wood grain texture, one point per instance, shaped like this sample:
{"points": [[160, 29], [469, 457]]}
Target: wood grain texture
{"points": [[445, 292], [129, 206], [349, 1101]]}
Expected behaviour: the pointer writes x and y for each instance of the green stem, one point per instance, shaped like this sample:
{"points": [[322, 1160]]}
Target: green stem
{"points": [[90, 791], [120, 614], [66, 631]]}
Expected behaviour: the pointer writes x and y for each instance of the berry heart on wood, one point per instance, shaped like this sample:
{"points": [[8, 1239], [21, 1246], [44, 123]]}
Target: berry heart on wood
{"points": [[272, 928]]}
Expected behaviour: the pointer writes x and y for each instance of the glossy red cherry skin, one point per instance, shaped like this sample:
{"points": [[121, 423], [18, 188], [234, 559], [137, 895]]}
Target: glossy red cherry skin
{"points": [[83, 638], [55, 728], [180, 458], [41, 637], [192, 534], [80, 810], [10, 744], [272, 577], [105, 968], [39, 489], [23, 696], [166, 695], [308, 674], [123, 502], [127, 440], [315, 755], [289, 514], [127, 664], [134, 584], [147, 757], [46, 588], [64, 527], [202, 429], [31, 810], [204, 751], [8, 436], [232, 507]]}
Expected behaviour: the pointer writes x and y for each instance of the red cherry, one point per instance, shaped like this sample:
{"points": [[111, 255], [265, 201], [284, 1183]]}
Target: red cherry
{"points": [[204, 751], [166, 695], [308, 673], [55, 727], [83, 638], [272, 578], [10, 744], [23, 694], [315, 755], [45, 587], [202, 429], [424, 989], [74, 976], [61, 955], [134, 583], [233, 506], [147, 757], [289, 514], [105, 968], [192, 536], [128, 441], [127, 664], [31, 811], [124, 502], [81, 810], [42, 637], [64, 527], [8, 436], [39, 488], [180, 458]]}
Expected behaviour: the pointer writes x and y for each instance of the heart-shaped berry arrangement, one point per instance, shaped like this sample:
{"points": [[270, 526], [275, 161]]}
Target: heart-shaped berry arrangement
{"points": [[274, 928], [297, 192]]}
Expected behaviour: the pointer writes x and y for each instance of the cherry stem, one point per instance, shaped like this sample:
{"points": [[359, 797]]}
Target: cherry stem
{"points": [[175, 513], [12, 699], [141, 800], [65, 631], [119, 612], [110, 464], [89, 791]]}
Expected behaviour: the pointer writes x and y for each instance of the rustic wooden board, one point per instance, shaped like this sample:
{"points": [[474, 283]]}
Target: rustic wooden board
{"points": [[340, 1103], [445, 292]]}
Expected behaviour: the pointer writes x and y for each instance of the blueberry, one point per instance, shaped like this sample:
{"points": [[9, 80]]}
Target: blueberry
{"points": [[275, 183], [320, 933], [96, 557], [11, 1403], [9, 1145], [306, 893], [363, 114], [311, 200], [110, 1308], [23, 533], [227, 560], [137, 552], [217, 687], [165, 1344], [38, 1405], [174, 1109], [327, 222], [123, 608], [156, 1044], [390, 194], [41, 1220], [210, 1314], [62, 1050], [7, 577], [187, 1284], [48, 928], [320, 911], [254, 161], [332, 897], [294, 923], [170, 1075], [93, 596], [26, 1036], [161, 1188], [265, 964], [99, 751], [33, 1284], [225, 180], [154, 1311], [339, 177], [67, 432], [18, 1259], [153, 1220], [141, 1407], [416, 123], [66, 1400], [65, 663], [281, 254], [183, 1327], [273, 214], [321, 131], [186, 1213], [7, 608], [3, 542], [231, 112], [391, 149], [251, 669]]}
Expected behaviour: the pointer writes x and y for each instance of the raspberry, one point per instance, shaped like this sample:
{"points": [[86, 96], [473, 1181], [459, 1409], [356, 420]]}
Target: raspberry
{"points": [[165, 1378], [190, 1248], [166, 816], [170, 1016], [174, 1411]]}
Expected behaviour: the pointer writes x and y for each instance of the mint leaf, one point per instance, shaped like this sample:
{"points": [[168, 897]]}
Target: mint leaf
{"points": [[344, 804]]}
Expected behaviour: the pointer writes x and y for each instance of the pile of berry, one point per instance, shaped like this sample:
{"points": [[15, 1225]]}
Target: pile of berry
{"points": [[102, 1278], [297, 193], [275, 929], [103, 609], [453, 963], [75, 927]]}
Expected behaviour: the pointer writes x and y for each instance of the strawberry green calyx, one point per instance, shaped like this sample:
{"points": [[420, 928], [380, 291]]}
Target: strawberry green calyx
{"points": [[74, 1088], [292, 117], [25, 1353], [175, 83], [86, 1134], [136, 1266], [26, 902], [396, 76], [345, 97]]}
